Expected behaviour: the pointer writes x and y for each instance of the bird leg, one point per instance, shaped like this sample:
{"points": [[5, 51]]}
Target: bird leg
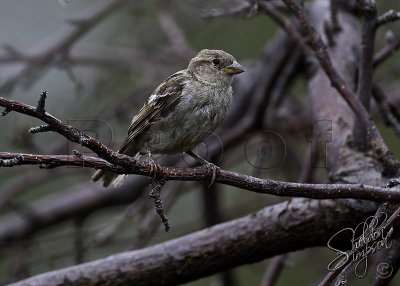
{"points": [[155, 168], [210, 166]]}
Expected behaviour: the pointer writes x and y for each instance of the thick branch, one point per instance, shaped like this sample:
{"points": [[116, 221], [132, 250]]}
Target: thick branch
{"points": [[277, 229]]}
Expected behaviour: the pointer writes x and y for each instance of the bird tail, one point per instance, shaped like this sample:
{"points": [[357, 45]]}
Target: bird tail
{"points": [[109, 177]]}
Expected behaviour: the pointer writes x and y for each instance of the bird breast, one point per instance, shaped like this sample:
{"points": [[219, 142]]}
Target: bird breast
{"points": [[198, 114]]}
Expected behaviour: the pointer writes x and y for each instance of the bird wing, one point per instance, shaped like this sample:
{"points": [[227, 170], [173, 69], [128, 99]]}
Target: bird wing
{"points": [[164, 98]]}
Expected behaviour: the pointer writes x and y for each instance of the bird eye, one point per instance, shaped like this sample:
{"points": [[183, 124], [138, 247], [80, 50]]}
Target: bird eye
{"points": [[215, 61]]}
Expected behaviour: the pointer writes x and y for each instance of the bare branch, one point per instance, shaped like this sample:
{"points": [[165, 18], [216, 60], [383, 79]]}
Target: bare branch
{"points": [[13, 161], [389, 16], [157, 185], [274, 269], [263, 186], [71, 133], [212, 250], [334, 19], [41, 128], [385, 109], [270, 10], [364, 84], [173, 31], [5, 111], [386, 51]]}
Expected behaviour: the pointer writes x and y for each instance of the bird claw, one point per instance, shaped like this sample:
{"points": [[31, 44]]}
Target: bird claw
{"points": [[209, 166], [155, 168], [214, 169]]}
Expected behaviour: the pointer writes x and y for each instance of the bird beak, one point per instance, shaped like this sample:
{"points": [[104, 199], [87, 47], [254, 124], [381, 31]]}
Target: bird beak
{"points": [[234, 68]]}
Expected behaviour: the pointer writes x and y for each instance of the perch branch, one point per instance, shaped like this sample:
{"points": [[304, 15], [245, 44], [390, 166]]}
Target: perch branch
{"points": [[263, 186]]}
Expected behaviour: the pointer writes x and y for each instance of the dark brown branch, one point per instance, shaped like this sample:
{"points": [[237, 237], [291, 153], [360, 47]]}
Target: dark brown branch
{"points": [[389, 16], [290, 29], [389, 263], [71, 133], [41, 102], [274, 269], [263, 186], [334, 18], [386, 51], [5, 111], [364, 84], [385, 108], [41, 128], [266, 233], [149, 224], [337, 81], [155, 194]]}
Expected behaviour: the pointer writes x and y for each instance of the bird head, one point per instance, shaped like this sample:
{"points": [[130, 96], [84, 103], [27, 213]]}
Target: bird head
{"points": [[214, 67]]}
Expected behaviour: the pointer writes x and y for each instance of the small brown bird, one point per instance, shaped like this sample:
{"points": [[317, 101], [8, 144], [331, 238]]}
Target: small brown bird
{"points": [[181, 112]]}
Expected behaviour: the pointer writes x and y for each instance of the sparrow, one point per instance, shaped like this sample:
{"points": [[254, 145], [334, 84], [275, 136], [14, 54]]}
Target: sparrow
{"points": [[181, 112]]}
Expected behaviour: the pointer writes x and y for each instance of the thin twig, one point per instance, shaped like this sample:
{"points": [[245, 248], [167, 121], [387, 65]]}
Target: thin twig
{"points": [[42, 102], [287, 25], [41, 128], [389, 16], [155, 193], [148, 225], [274, 269], [386, 51], [385, 109], [173, 31], [5, 111]]}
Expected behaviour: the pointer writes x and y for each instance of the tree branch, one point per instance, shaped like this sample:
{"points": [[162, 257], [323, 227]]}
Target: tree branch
{"points": [[262, 186], [276, 229], [365, 69], [389, 16]]}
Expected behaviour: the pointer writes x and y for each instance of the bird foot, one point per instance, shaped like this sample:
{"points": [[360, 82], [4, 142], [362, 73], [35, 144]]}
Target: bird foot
{"points": [[155, 168], [210, 166]]}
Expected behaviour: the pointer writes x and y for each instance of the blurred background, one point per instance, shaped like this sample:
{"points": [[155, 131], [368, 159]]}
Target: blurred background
{"points": [[99, 61]]}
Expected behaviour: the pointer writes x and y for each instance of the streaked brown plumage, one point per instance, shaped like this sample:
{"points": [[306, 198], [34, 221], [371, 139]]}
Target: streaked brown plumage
{"points": [[182, 111]]}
